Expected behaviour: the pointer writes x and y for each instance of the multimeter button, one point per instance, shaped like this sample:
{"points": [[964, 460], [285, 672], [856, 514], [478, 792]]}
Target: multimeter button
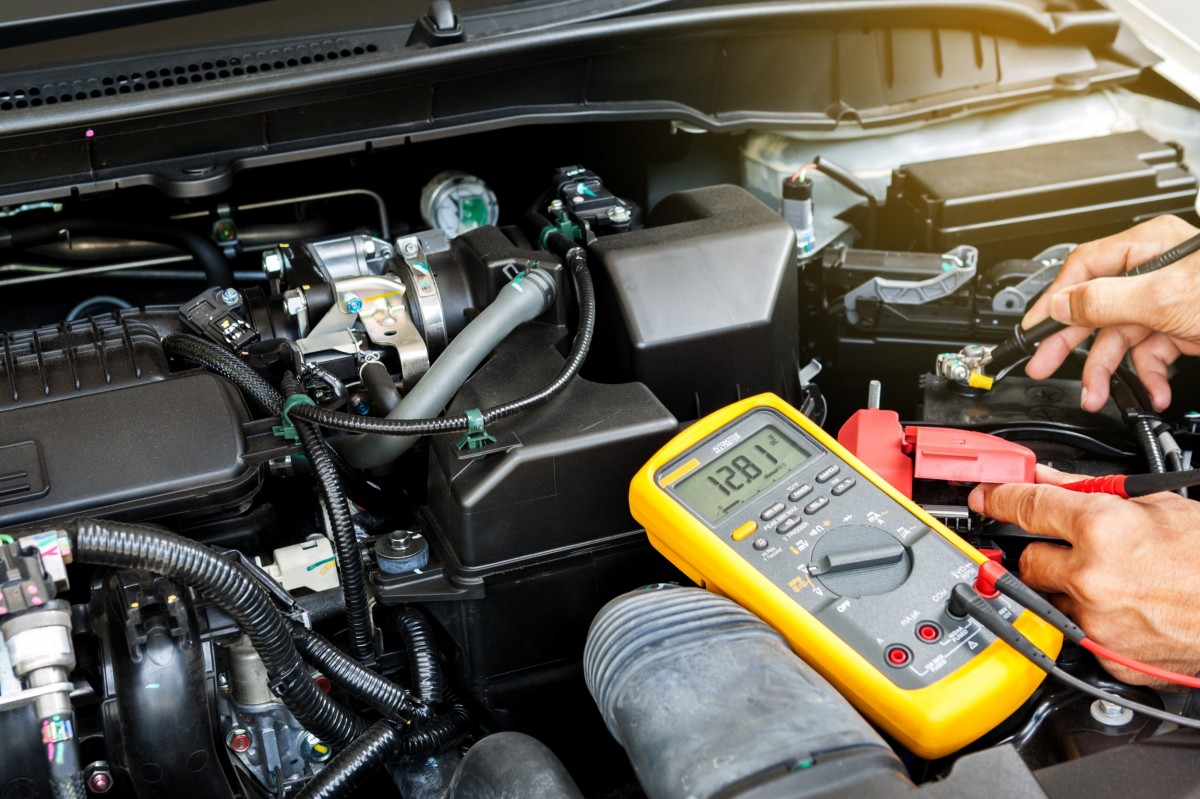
{"points": [[760, 543], [816, 505], [773, 511], [897, 656], [745, 531], [787, 525], [929, 632], [828, 473], [842, 487], [800, 492]]}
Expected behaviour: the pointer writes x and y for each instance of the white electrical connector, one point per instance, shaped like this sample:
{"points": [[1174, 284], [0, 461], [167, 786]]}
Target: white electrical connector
{"points": [[309, 564]]}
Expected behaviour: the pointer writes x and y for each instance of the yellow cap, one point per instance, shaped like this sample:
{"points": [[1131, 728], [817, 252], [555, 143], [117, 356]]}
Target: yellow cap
{"points": [[980, 380]]}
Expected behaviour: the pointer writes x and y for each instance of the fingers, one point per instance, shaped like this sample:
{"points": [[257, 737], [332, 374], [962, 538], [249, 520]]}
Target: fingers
{"points": [[1105, 356], [1043, 509], [1050, 476], [1046, 567], [1052, 352], [1112, 256], [1151, 360]]}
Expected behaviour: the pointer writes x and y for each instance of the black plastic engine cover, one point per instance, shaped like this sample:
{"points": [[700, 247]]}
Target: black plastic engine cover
{"points": [[701, 305], [144, 451]]}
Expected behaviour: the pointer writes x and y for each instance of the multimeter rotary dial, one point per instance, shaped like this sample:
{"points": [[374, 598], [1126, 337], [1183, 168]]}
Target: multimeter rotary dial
{"points": [[858, 560]]}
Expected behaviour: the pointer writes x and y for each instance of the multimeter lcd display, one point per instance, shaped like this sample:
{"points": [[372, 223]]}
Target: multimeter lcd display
{"points": [[744, 471]]}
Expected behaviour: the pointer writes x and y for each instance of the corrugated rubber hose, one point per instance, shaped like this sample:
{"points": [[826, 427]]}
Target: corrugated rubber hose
{"points": [[345, 540], [351, 767], [130, 546], [215, 358]]}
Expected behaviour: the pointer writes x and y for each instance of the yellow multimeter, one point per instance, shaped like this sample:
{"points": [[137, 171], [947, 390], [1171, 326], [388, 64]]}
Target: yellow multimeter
{"points": [[758, 503]]}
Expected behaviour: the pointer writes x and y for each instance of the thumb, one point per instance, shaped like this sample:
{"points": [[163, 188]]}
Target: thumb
{"points": [[1104, 302]]}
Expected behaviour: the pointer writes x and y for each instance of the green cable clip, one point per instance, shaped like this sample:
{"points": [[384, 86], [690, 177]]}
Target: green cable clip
{"points": [[287, 430], [563, 225], [476, 436]]}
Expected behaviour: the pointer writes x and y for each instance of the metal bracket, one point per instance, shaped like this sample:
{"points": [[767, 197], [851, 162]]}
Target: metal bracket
{"points": [[958, 265], [1016, 299]]}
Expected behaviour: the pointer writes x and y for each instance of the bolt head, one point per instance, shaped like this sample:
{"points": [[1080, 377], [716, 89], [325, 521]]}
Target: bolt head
{"points": [[556, 206], [369, 246], [619, 214], [409, 248], [272, 263], [99, 782], [239, 740], [294, 302], [313, 749], [230, 296], [352, 302]]}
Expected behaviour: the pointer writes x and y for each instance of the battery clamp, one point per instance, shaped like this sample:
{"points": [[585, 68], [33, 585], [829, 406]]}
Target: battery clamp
{"points": [[756, 502]]}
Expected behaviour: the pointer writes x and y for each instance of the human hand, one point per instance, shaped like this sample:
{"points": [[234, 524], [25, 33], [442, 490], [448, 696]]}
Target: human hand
{"points": [[1128, 576], [1153, 317]]}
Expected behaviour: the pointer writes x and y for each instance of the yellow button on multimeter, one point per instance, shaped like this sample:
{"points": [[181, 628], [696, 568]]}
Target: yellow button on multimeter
{"points": [[758, 503]]}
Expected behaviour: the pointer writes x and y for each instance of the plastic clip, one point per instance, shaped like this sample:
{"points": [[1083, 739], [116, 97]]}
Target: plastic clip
{"points": [[287, 430], [477, 435]]}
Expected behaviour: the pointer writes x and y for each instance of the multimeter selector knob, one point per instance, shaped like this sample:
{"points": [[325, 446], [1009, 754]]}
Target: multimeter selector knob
{"points": [[859, 561]]}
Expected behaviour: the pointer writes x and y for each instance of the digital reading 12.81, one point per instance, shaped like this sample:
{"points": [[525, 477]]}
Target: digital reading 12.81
{"points": [[744, 471]]}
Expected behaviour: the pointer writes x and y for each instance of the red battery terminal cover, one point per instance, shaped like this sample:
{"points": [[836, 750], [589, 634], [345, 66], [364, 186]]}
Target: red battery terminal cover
{"points": [[876, 437]]}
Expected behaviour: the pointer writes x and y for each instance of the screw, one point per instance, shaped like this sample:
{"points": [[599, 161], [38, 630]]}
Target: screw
{"points": [[359, 405], [399, 542], [272, 263], [238, 740], [973, 351], [230, 296], [369, 246], [294, 302], [222, 680], [313, 749], [619, 214], [99, 779], [958, 372], [555, 206], [409, 248], [874, 394], [352, 302]]}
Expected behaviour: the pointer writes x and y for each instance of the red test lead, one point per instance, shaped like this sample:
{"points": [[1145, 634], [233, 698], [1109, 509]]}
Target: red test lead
{"points": [[1136, 485]]}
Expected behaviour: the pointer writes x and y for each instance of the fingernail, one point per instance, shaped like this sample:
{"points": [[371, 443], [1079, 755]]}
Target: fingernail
{"points": [[975, 500], [1083, 398], [1060, 307]]}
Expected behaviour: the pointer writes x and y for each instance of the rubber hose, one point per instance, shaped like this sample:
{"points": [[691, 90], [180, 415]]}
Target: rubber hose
{"points": [[384, 394], [360, 682], [425, 670], [511, 765], [351, 767], [442, 732], [207, 254], [345, 540], [131, 546], [521, 300], [216, 358], [1144, 430]]}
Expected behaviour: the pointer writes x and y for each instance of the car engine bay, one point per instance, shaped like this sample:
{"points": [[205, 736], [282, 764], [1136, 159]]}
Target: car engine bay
{"points": [[318, 483]]}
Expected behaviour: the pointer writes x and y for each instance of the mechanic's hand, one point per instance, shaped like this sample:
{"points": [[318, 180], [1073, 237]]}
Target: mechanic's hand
{"points": [[1153, 317], [1128, 578]]}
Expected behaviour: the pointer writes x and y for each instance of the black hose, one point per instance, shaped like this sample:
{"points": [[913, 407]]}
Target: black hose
{"points": [[377, 379], [847, 179], [216, 358], [1144, 430], [207, 254], [577, 261], [129, 546], [360, 682], [351, 767], [424, 668], [441, 733], [345, 540]]}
